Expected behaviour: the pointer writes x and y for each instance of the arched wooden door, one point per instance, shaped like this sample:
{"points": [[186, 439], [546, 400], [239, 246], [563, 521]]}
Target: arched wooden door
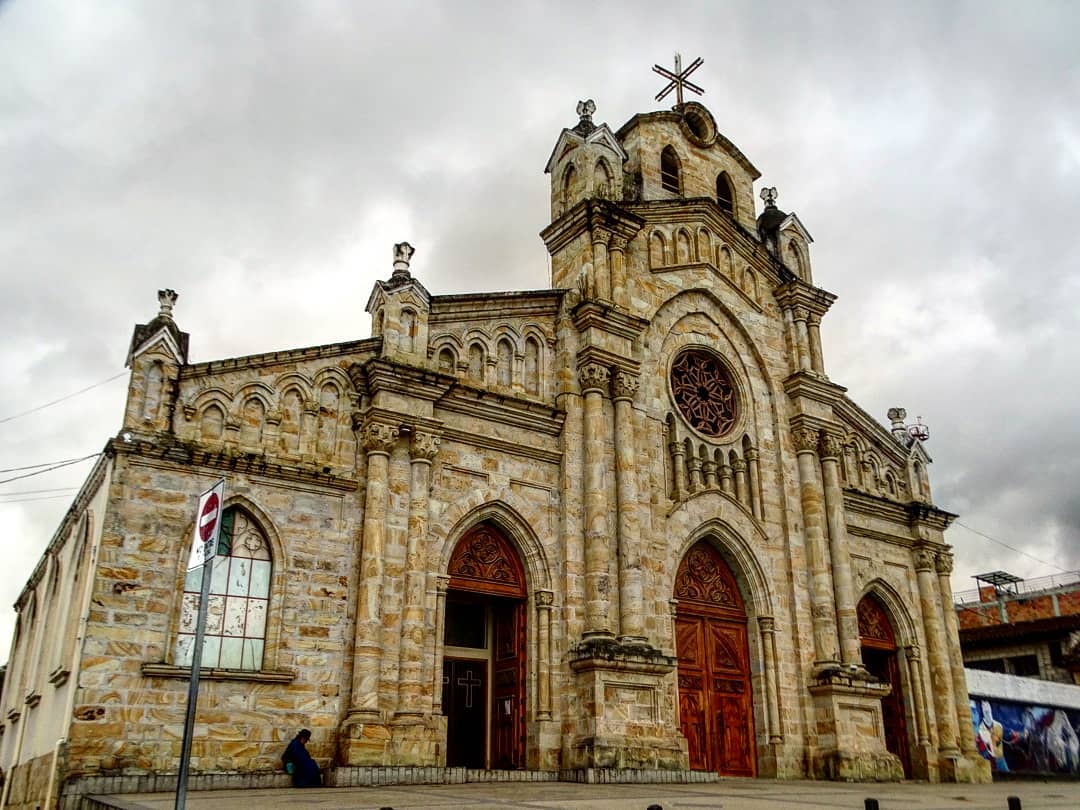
{"points": [[484, 653], [715, 700], [881, 660]]}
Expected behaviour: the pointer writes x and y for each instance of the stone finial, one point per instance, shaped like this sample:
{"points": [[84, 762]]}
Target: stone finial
{"points": [[769, 195], [896, 423], [167, 300], [585, 109], [403, 253]]}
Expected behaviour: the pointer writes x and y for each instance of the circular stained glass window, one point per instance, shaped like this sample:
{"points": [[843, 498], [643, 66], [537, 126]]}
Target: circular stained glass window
{"points": [[704, 392]]}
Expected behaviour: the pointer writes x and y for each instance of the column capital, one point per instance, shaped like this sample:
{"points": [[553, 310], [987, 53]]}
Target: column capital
{"points": [[311, 405], [593, 377], [380, 437], [800, 313], [601, 236], [813, 319], [943, 562], [624, 385], [912, 652], [545, 599], [423, 446], [831, 445], [766, 624], [924, 558], [618, 243], [752, 454], [442, 584], [806, 440], [738, 465]]}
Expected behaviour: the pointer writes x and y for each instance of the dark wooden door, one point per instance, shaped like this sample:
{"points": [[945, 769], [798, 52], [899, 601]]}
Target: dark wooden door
{"points": [[716, 711], [465, 707], [508, 686], [881, 660]]}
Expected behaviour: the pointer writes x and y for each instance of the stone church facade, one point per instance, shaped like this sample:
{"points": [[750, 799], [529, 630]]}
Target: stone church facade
{"points": [[626, 524]]}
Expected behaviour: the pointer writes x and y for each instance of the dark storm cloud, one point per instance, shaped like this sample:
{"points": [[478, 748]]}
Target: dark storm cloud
{"points": [[262, 157]]}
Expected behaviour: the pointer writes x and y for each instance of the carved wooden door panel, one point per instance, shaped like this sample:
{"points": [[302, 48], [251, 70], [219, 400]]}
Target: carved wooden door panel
{"points": [[508, 687], [879, 653], [716, 711], [464, 704]]}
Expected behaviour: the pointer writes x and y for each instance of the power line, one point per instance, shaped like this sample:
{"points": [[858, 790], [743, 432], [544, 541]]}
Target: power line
{"points": [[38, 498], [1011, 548], [36, 491], [50, 469], [43, 464], [69, 396]]}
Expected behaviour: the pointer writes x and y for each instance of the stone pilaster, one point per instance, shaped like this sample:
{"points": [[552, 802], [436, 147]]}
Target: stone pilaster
{"points": [[943, 565], [742, 493], [772, 689], [594, 380], [802, 338], [544, 603], [813, 328], [601, 268], [442, 585], [821, 596], [423, 447], [847, 622], [309, 429], [940, 667], [617, 257], [753, 469], [631, 601], [678, 456]]}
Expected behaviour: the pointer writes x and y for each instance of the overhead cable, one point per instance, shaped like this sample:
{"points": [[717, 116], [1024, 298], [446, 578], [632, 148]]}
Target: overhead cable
{"points": [[69, 396]]}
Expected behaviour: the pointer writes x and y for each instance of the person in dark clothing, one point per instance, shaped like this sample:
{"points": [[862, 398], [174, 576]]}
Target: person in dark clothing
{"points": [[298, 762]]}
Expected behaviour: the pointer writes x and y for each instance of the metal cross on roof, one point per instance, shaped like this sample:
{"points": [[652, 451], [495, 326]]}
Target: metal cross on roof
{"points": [[678, 78]]}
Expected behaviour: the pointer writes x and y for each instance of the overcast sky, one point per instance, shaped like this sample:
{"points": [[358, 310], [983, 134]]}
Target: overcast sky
{"points": [[261, 158]]}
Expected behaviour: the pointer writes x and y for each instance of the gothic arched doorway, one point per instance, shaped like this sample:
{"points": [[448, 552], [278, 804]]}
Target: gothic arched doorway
{"points": [[484, 653], [879, 654], [715, 699]]}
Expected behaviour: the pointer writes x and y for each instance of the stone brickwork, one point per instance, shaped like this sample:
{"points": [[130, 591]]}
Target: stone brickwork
{"points": [[555, 419]]}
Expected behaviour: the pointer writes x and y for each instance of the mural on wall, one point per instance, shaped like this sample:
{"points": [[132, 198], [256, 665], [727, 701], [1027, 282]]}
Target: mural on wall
{"points": [[1027, 739]]}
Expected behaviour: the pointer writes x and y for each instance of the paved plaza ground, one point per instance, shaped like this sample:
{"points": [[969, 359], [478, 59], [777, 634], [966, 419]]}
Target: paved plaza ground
{"points": [[733, 794]]}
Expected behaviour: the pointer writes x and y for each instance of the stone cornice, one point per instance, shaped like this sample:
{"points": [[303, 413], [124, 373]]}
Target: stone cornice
{"points": [[479, 306], [807, 385], [186, 454], [607, 318], [929, 515], [587, 215], [797, 293], [413, 381], [519, 449], [210, 674], [368, 346], [912, 515], [594, 354], [507, 410], [858, 420]]}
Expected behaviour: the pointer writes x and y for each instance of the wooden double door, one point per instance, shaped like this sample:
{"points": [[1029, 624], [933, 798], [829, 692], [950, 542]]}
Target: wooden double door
{"points": [[716, 709], [484, 660], [881, 659]]}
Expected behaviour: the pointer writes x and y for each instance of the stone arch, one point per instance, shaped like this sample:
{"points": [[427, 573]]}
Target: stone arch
{"points": [[534, 365], [684, 247], [728, 535], [212, 422], [295, 379], [332, 373], [477, 360], [704, 244], [152, 393], [657, 249], [723, 260], [504, 510], [902, 623], [446, 359], [505, 350], [602, 179]]}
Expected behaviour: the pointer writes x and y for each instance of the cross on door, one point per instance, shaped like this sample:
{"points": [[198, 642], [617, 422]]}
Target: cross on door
{"points": [[469, 681]]}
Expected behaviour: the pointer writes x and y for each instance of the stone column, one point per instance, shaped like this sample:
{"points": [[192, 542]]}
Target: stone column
{"points": [[726, 485], [738, 466], [617, 260], [918, 696], [813, 328], [600, 239], [594, 380], [768, 649], [847, 622], [309, 429], [943, 564], [422, 449], [754, 470], [678, 453], [821, 596], [802, 339], [544, 601], [441, 586], [708, 469], [378, 440], [693, 461], [631, 618], [940, 667]]}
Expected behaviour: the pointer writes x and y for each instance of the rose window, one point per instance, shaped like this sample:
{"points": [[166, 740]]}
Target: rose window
{"points": [[704, 392]]}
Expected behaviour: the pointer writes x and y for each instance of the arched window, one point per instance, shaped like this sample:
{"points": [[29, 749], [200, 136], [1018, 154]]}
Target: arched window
{"points": [[289, 431], [532, 366], [239, 597], [408, 329], [724, 196], [212, 423], [476, 362], [602, 179], [252, 425], [447, 363], [504, 371], [329, 399], [152, 402], [568, 183], [669, 170]]}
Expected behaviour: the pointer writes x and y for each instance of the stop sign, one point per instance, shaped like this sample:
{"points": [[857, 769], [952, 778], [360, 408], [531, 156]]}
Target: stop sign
{"points": [[209, 517]]}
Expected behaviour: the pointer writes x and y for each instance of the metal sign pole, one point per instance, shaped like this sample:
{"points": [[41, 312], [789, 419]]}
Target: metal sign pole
{"points": [[208, 518], [193, 686]]}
